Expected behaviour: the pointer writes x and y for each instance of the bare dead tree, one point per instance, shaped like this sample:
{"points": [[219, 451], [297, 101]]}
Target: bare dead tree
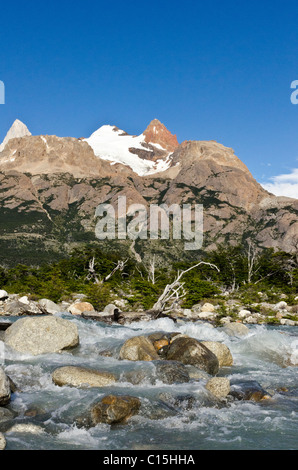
{"points": [[251, 262], [151, 271], [92, 275], [119, 267], [175, 292]]}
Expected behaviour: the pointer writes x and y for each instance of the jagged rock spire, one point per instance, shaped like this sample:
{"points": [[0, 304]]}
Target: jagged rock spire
{"points": [[17, 130], [157, 133]]}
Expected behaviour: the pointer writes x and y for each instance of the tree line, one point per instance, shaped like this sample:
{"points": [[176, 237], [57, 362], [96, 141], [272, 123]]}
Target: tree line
{"points": [[101, 275]]}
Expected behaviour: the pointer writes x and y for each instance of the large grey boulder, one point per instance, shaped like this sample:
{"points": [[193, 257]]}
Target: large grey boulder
{"points": [[42, 335], [5, 391], [190, 351], [82, 378]]}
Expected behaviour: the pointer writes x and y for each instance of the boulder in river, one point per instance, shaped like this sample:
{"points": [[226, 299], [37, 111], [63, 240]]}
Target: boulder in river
{"points": [[171, 372], [2, 442], [235, 329], [26, 428], [111, 409], [190, 351], [221, 351], [6, 417], [5, 390], [249, 390], [138, 348], [42, 335], [220, 387], [82, 378]]}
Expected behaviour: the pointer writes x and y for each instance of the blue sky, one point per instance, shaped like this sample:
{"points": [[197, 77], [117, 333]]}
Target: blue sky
{"points": [[216, 70]]}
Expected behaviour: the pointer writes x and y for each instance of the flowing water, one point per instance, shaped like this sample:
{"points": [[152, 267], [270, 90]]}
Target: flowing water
{"points": [[262, 356]]}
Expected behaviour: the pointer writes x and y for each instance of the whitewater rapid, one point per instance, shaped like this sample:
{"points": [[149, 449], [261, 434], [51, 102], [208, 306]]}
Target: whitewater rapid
{"points": [[268, 355]]}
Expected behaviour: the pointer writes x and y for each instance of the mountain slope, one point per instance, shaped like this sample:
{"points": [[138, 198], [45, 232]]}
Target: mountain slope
{"points": [[50, 188]]}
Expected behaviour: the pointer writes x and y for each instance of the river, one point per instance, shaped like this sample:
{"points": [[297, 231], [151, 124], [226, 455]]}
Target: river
{"points": [[262, 355]]}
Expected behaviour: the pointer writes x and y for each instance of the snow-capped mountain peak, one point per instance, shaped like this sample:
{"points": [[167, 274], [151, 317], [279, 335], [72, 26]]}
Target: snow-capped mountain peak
{"points": [[144, 154]]}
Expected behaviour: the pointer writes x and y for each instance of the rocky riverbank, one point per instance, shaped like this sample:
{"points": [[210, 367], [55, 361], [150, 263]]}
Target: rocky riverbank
{"points": [[220, 313]]}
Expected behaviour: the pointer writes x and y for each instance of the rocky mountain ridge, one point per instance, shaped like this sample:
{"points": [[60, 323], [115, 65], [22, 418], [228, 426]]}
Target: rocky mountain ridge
{"points": [[51, 186]]}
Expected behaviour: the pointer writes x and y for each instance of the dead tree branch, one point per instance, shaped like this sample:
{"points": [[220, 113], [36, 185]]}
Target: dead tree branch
{"points": [[174, 292], [92, 275]]}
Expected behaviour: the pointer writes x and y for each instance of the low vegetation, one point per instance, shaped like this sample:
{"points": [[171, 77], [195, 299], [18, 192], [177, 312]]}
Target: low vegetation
{"points": [[243, 274]]}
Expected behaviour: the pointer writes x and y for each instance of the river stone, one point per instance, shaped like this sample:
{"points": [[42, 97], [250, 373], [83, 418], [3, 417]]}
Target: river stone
{"points": [[110, 309], [5, 392], [49, 307], [28, 428], [17, 308], [42, 335], [137, 377], [138, 348], [3, 295], [2, 442], [236, 329], [221, 351], [208, 308], [220, 387], [5, 416], [190, 351], [280, 306], [249, 390], [81, 377], [80, 307], [196, 374], [170, 372], [115, 409]]}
